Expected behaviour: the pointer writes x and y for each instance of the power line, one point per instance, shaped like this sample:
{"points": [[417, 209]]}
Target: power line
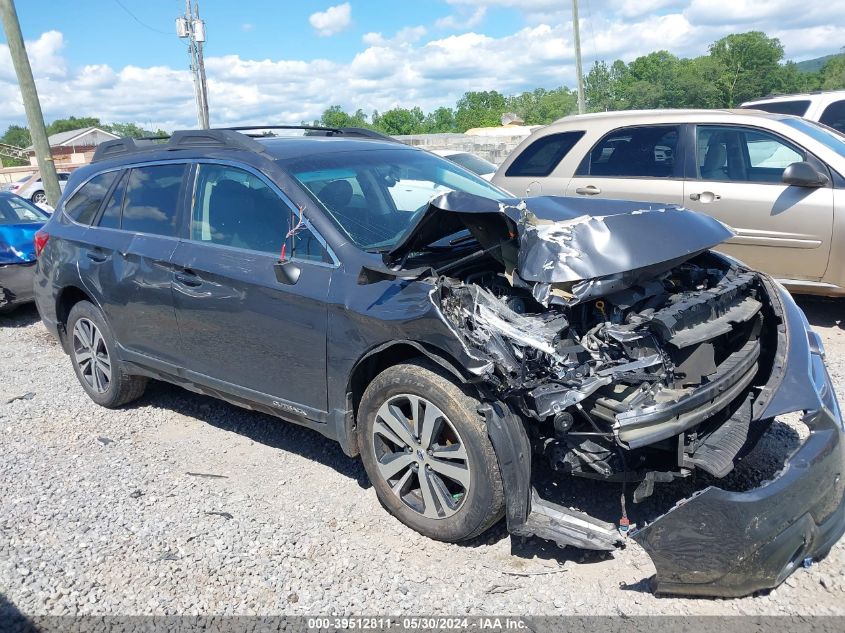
{"points": [[138, 20]]}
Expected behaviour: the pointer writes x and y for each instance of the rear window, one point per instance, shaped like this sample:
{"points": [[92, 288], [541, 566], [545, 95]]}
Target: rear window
{"points": [[798, 108], [543, 155], [152, 200], [18, 211], [84, 204]]}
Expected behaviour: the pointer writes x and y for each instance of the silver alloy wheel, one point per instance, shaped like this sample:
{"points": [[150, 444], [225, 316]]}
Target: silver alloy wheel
{"points": [[40, 197], [421, 456], [92, 355]]}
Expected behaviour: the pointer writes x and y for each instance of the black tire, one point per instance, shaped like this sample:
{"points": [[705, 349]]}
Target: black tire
{"points": [[38, 196], [122, 387], [483, 503]]}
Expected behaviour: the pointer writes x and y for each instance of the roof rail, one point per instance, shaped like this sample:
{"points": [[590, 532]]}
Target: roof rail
{"points": [[179, 140], [230, 138], [316, 130]]}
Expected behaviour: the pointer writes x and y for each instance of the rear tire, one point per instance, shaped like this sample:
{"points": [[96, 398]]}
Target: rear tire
{"points": [[101, 373], [39, 197], [426, 451]]}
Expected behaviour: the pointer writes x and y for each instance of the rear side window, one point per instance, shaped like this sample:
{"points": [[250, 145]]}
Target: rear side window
{"points": [[152, 200], [634, 152], [543, 155], [834, 116], [111, 214], [85, 203], [798, 108]]}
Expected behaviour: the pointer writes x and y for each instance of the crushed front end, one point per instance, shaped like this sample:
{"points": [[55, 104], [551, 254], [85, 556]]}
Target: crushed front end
{"points": [[621, 349]]}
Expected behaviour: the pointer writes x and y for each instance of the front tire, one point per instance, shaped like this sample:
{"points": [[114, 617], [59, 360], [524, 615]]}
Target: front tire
{"points": [[101, 373], [426, 451]]}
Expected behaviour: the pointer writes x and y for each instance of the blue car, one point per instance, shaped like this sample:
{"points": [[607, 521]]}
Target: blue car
{"points": [[19, 221]]}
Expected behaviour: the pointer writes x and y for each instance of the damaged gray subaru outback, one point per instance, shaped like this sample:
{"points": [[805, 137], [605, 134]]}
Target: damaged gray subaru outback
{"points": [[464, 342]]}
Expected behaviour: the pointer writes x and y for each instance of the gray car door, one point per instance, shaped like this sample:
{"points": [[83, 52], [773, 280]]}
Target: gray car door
{"points": [[126, 262], [242, 329]]}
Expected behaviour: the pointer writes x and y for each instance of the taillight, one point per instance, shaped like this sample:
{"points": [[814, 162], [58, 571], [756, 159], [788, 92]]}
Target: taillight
{"points": [[14, 187], [40, 240]]}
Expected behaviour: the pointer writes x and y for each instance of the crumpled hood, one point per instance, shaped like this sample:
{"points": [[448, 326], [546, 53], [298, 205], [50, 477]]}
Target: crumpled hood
{"points": [[16, 242], [554, 240]]}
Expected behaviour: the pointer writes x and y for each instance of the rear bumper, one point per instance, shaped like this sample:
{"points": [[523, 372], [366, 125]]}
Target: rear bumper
{"points": [[16, 284], [727, 544]]}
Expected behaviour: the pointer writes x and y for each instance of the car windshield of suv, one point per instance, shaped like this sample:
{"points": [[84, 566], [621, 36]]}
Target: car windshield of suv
{"points": [[828, 137], [376, 196], [19, 211]]}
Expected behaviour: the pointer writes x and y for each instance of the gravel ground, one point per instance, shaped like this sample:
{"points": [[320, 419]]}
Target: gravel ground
{"points": [[181, 504]]}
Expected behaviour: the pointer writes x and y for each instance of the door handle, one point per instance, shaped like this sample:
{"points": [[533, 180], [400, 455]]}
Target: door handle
{"points": [[705, 196], [589, 190], [97, 256], [188, 278]]}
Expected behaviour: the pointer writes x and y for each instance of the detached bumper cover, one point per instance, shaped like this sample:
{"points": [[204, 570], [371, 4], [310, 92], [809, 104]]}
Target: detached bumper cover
{"points": [[727, 544]]}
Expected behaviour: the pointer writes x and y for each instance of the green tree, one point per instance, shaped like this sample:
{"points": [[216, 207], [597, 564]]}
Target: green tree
{"points": [[749, 66], [439, 121], [73, 123], [401, 121], [335, 116], [18, 136], [479, 109], [541, 106], [832, 74]]}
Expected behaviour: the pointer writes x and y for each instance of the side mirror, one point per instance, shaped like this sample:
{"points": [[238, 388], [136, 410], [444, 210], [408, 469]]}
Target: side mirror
{"points": [[803, 174], [287, 272]]}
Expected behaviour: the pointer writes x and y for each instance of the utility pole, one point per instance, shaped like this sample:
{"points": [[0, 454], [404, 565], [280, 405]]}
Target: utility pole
{"points": [[192, 28], [578, 70], [31, 105]]}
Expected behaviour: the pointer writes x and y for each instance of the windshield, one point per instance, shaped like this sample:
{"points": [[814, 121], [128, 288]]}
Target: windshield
{"points": [[376, 196], [473, 163], [18, 211], [827, 136]]}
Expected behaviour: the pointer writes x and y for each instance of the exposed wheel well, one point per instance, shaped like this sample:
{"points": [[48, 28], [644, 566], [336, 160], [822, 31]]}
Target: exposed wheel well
{"points": [[69, 297]]}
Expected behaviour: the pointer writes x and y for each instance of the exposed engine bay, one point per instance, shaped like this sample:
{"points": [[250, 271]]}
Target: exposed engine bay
{"points": [[646, 383]]}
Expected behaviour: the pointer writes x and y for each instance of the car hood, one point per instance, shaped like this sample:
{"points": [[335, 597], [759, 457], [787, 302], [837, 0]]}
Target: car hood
{"points": [[558, 240], [16, 242]]}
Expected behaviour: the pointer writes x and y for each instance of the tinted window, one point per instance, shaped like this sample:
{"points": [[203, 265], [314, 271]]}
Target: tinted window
{"points": [[85, 203], [834, 116], [376, 196], [152, 200], [63, 176], [543, 155], [634, 152], [111, 214], [19, 211], [798, 108], [236, 208], [740, 154], [473, 163]]}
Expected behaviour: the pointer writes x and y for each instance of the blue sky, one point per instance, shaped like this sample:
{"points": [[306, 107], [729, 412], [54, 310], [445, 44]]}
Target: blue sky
{"points": [[287, 61]]}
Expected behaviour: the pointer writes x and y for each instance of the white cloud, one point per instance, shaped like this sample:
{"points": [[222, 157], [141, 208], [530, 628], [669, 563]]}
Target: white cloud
{"points": [[247, 26], [462, 22], [406, 68], [333, 20]]}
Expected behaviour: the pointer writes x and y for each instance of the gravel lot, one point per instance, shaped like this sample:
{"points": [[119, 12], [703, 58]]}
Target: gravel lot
{"points": [[181, 504]]}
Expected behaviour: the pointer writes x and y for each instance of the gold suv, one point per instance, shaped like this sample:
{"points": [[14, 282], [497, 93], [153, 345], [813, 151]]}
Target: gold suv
{"points": [[776, 180]]}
